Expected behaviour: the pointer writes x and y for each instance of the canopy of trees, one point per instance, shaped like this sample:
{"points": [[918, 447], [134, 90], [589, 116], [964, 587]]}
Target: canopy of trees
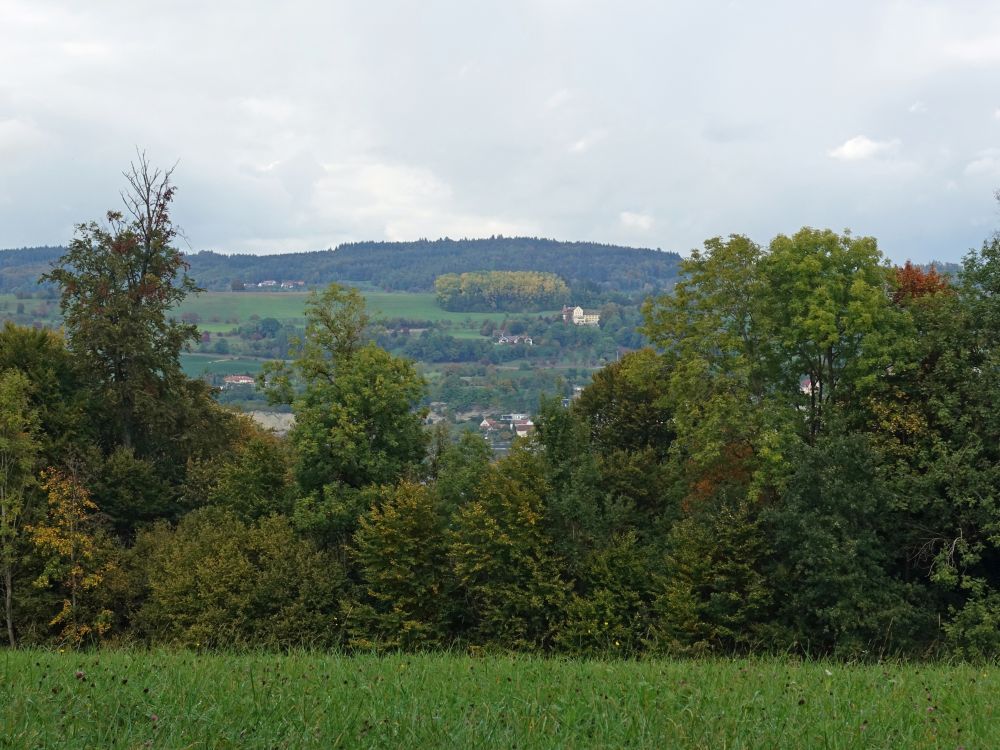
{"points": [[806, 461], [486, 291]]}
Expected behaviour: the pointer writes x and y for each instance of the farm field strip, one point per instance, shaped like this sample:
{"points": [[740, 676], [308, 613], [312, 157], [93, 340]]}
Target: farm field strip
{"points": [[220, 307], [196, 365], [220, 312]]}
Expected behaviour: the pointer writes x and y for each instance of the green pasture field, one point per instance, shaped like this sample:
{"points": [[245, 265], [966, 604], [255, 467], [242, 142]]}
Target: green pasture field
{"points": [[466, 333], [9, 304], [166, 699], [423, 306], [222, 307], [237, 307], [196, 365], [220, 312]]}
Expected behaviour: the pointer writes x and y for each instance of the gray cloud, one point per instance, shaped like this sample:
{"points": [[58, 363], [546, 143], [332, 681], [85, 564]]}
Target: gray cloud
{"points": [[305, 124]]}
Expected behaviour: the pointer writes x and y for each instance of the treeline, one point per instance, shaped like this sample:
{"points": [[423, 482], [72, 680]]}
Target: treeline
{"points": [[596, 272], [488, 291], [806, 462]]}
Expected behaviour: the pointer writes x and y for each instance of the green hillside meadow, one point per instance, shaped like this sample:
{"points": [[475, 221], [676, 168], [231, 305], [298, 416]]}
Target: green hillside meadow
{"points": [[222, 307], [166, 699]]}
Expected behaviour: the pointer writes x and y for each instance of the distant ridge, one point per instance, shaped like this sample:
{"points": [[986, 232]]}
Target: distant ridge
{"points": [[404, 266]]}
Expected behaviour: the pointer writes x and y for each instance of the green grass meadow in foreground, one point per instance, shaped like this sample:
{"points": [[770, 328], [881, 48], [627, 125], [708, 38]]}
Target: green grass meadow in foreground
{"points": [[165, 699]]}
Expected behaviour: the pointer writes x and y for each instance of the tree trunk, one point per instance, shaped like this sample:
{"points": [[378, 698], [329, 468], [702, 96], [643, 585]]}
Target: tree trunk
{"points": [[8, 603], [8, 575]]}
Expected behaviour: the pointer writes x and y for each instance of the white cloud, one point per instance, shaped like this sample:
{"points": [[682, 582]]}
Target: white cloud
{"points": [[468, 70], [996, 114], [983, 50], [278, 110], [87, 50], [558, 99], [917, 108], [587, 142], [986, 163], [861, 147], [403, 202], [634, 220], [17, 136]]}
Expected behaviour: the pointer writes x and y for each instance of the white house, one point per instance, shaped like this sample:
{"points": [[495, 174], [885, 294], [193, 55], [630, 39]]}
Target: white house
{"points": [[580, 317]]}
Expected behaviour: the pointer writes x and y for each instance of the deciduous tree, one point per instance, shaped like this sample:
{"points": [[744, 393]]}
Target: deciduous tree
{"points": [[119, 280], [19, 449], [356, 416], [79, 558]]}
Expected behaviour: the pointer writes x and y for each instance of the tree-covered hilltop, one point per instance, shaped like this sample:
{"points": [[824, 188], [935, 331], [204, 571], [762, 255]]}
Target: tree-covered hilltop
{"points": [[593, 270], [413, 266]]}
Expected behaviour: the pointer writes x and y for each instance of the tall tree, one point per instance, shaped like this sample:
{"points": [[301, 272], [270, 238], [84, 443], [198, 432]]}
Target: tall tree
{"points": [[355, 405], [79, 557], [828, 307], [831, 553], [119, 280], [19, 450], [716, 343], [502, 559], [56, 393], [400, 548]]}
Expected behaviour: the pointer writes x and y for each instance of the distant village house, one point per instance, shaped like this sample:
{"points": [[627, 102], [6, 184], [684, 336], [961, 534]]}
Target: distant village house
{"points": [[510, 339], [523, 427]]}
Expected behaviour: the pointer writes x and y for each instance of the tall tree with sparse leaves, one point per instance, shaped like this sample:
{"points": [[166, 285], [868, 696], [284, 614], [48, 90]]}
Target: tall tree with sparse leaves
{"points": [[119, 280]]}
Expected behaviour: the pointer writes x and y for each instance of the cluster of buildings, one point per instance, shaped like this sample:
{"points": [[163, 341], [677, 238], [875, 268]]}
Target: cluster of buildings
{"points": [[232, 381], [520, 424], [580, 317], [274, 284], [512, 339]]}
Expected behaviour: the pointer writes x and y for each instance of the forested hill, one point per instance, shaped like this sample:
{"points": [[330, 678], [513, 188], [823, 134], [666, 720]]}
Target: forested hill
{"points": [[20, 269], [405, 266], [413, 266]]}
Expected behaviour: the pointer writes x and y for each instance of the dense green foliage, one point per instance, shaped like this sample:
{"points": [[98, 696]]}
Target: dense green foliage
{"points": [[183, 699], [501, 290], [805, 461]]}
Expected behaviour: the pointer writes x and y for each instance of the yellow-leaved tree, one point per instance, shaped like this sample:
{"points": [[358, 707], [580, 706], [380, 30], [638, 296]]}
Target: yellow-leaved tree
{"points": [[79, 557]]}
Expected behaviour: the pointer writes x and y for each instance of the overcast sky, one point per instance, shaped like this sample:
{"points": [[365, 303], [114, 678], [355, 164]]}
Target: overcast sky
{"points": [[300, 125]]}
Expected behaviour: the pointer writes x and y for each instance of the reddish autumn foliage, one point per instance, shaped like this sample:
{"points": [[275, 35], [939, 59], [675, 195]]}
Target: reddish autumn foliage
{"points": [[732, 468], [913, 282]]}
